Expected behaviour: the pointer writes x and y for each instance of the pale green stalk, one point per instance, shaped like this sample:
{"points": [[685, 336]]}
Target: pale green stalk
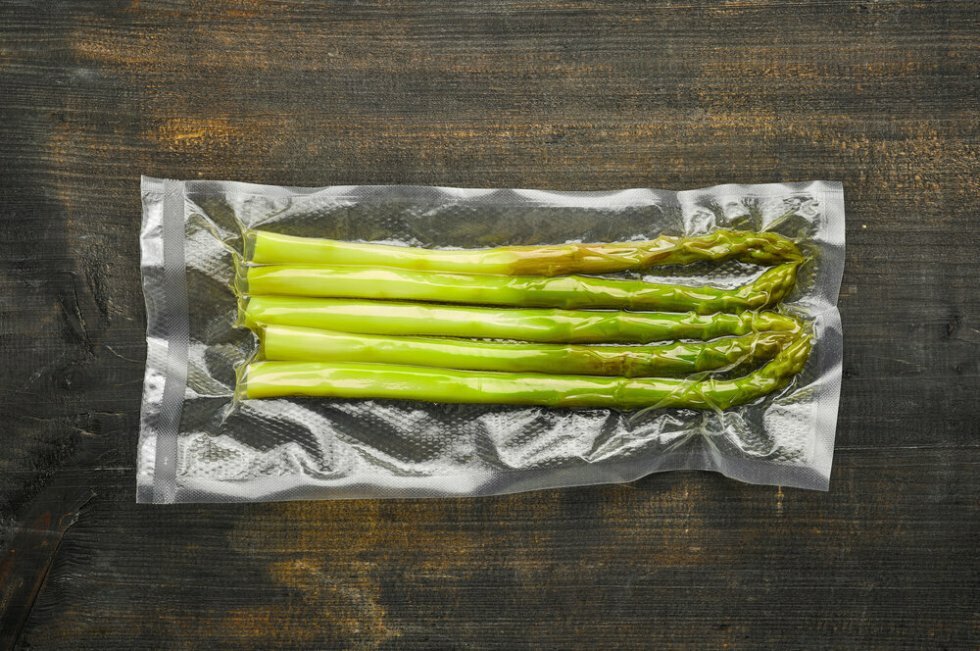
{"points": [[290, 343], [540, 325], [568, 292], [262, 247], [384, 381]]}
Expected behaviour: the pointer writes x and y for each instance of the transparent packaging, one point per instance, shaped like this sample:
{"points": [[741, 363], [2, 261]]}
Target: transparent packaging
{"points": [[200, 442]]}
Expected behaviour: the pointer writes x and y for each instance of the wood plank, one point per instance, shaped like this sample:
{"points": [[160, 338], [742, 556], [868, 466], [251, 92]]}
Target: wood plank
{"points": [[686, 560], [567, 95]]}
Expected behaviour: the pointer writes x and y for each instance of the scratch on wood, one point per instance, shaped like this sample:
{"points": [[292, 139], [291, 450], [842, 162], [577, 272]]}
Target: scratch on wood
{"points": [[181, 130], [73, 315], [29, 557]]}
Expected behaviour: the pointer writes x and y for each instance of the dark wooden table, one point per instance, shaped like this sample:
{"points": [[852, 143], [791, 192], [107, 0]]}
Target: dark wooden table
{"points": [[570, 95]]}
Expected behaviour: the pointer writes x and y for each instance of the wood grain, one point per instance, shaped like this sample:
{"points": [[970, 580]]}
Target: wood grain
{"points": [[566, 95]]}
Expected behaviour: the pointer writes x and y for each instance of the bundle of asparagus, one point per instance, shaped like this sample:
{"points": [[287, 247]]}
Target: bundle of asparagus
{"points": [[349, 320]]}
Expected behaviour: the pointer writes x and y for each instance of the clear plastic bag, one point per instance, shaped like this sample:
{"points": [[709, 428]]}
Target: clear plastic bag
{"points": [[198, 443]]}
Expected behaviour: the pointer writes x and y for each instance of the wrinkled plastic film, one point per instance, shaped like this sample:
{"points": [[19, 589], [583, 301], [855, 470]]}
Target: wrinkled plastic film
{"points": [[225, 449]]}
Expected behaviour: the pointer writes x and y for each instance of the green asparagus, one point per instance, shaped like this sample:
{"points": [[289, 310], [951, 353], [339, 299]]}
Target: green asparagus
{"points": [[765, 248], [384, 381], [568, 292], [538, 325], [289, 343]]}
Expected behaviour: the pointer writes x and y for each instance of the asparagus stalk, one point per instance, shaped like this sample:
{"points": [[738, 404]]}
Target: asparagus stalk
{"points": [[568, 292], [263, 247], [538, 325], [388, 381], [289, 343]]}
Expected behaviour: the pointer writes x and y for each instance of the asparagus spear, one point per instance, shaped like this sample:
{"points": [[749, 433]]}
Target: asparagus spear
{"points": [[540, 325], [765, 248], [384, 381], [569, 292], [289, 343]]}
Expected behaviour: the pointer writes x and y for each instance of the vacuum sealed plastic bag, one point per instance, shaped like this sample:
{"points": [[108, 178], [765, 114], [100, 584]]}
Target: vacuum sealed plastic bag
{"points": [[400, 341]]}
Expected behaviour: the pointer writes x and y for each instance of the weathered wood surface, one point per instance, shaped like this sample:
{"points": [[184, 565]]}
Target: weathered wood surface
{"points": [[571, 95]]}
